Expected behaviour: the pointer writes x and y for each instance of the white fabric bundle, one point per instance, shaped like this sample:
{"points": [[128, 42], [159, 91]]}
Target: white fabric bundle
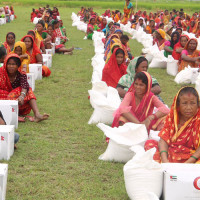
{"points": [[188, 75], [121, 139], [143, 176], [172, 66]]}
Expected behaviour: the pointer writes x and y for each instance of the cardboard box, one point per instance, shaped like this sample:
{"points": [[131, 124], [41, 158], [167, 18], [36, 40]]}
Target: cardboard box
{"points": [[181, 181], [10, 110], [49, 51], [3, 180], [37, 70], [7, 141], [31, 80], [49, 59]]}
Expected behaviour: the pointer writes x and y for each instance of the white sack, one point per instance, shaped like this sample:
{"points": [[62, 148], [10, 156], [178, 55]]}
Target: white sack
{"points": [[157, 63], [172, 66]]}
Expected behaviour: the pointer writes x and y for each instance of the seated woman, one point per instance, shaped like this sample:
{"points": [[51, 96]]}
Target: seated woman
{"points": [[20, 50], [180, 136], [10, 42], [197, 32], [179, 47], [151, 27], [41, 35], [141, 24], [190, 55], [61, 47], [59, 32], [169, 45], [14, 86], [35, 54], [168, 31], [91, 27], [138, 105], [136, 65], [115, 68], [159, 39]]}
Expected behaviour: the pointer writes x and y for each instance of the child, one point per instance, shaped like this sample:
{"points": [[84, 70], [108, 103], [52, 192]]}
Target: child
{"points": [[124, 40]]}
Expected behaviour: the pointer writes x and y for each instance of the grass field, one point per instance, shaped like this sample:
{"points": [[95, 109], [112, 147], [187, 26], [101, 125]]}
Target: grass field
{"points": [[58, 158]]}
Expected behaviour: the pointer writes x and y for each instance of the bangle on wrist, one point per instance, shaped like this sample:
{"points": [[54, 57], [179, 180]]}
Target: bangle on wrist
{"points": [[163, 152], [21, 97], [194, 157], [23, 93], [155, 117]]}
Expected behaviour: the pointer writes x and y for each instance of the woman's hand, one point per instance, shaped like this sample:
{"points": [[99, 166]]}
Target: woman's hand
{"points": [[148, 121], [21, 100], [179, 50]]}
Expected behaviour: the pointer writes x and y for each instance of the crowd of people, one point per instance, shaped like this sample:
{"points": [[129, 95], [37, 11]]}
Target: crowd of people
{"points": [[16, 57], [141, 103], [7, 12]]}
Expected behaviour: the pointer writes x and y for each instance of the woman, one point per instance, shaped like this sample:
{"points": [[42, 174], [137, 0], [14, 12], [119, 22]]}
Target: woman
{"points": [[59, 33], [159, 39], [86, 18], [192, 27], [169, 45], [10, 42], [41, 35], [107, 13], [103, 24], [128, 9], [91, 27], [138, 105], [151, 27], [190, 55], [179, 47], [141, 24], [20, 50], [197, 32], [14, 86], [109, 28], [168, 31], [136, 65], [115, 68], [35, 54], [179, 139]]}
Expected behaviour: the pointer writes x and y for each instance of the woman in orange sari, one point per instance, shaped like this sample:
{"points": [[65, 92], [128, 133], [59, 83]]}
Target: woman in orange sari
{"points": [[35, 54], [10, 42], [128, 9], [180, 137], [151, 27], [190, 55], [14, 86]]}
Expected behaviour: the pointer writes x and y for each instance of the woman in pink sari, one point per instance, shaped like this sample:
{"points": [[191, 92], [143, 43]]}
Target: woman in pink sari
{"points": [[139, 103]]}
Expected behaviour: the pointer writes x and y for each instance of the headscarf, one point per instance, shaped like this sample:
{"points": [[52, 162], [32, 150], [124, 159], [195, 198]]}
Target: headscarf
{"points": [[22, 45], [112, 72], [161, 32], [103, 25], [138, 24], [107, 26], [186, 46]]}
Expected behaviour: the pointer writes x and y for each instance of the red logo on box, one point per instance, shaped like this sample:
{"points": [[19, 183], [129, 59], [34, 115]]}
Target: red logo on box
{"points": [[197, 183], [2, 138], [13, 110]]}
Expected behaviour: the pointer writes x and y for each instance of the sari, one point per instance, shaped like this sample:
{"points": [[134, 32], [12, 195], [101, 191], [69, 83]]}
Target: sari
{"points": [[161, 43], [143, 109], [177, 56], [60, 34], [94, 28], [24, 61], [38, 42], [35, 51], [127, 80], [112, 72], [138, 24], [183, 142], [128, 9], [8, 93], [6, 45], [195, 54]]}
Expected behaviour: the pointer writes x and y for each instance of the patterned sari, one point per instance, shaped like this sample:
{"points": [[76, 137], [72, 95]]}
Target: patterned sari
{"points": [[8, 93], [183, 142], [128, 9]]}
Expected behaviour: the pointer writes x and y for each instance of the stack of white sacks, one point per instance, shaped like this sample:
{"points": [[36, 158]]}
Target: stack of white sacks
{"points": [[143, 176]]}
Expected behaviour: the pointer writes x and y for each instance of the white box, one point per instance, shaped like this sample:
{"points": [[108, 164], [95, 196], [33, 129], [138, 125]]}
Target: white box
{"points": [[45, 61], [3, 180], [31, 80], [12, 17], [53, 48], [49, 51], [181, 181], [37, 70], [7, 141], [10, 110], [47, 57]]}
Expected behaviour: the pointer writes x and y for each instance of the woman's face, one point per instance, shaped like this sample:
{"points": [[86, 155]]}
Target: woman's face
{"points": [[183, 41], [192, 23], [140, 87], [110, 24], [39, 27], [175, 37], [179, 31], [11, 67], [104, 21], [170, 31], [50, 30], [10, 39], [28, 42], [152, 23], [143, 66], [141, 22], [120, 34], [192, 45], [92, 21], [120, 58], [188, 105], [18, 51]]}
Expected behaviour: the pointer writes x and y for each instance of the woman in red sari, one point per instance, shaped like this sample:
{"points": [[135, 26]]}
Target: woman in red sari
{"points": [[138, 105], [35, 54], [179, 47], [14, 86], [180, 137], [10, 42], [115, 68]]}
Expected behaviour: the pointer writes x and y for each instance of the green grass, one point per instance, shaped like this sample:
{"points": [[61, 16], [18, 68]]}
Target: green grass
{"points": [[58, 158]]}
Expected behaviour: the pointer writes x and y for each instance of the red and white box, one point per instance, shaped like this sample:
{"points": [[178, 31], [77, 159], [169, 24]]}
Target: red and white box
{"points": [[3, 180], [181, 181], [31, 80], [37, 70]]}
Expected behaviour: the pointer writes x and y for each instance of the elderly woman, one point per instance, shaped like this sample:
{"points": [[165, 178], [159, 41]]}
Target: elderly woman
{"points": [[136, 65], [190, 55], [179, 139], [14, 86], [138, 105]]}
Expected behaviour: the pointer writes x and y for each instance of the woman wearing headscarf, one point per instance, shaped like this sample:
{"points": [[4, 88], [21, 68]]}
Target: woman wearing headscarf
{"points": [[190, 56], [168, 31], [10, 42], [141, 23], [159, 39], [91, 27], [128, 9], [136, 65]]}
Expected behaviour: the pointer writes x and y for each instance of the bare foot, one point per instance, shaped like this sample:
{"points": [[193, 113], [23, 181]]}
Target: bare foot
{"points": [[71, 49], [68, 53], [40, 117]]}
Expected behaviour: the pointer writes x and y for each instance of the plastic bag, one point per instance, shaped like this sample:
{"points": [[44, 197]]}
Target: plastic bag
{"points": [[172, 66]]}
